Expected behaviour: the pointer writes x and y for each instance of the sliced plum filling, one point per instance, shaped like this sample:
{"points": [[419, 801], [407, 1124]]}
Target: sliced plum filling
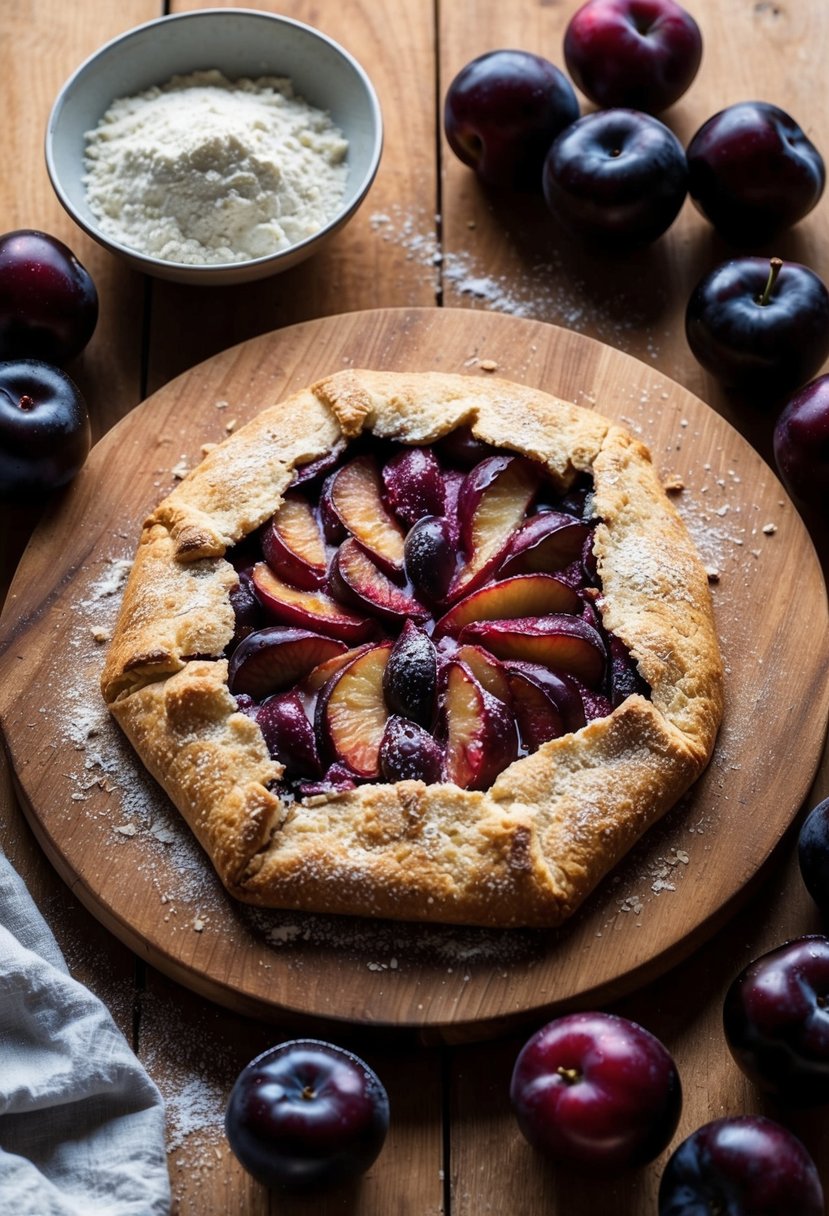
{"points": [[424, 613]]}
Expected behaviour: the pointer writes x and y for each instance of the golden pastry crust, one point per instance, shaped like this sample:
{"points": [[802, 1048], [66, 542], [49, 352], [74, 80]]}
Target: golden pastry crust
{"points": [[529, 849]]}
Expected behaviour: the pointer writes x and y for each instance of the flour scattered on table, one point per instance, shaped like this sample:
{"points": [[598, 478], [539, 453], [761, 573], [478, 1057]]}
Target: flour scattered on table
{"points": [[543, 289], [104, 780], [111, 582]]}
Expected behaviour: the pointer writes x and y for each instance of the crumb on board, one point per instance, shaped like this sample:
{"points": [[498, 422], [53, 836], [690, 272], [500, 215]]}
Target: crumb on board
{"points": [[488, 365], [673, 484]]}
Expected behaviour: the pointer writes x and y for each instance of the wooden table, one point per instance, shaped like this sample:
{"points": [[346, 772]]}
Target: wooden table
{"points": [[427, 236]]}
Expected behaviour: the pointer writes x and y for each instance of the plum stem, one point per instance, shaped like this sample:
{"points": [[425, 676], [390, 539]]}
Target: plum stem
{"points": [[775, 266], [309, 1093], [26, 402], [570, 1075]]}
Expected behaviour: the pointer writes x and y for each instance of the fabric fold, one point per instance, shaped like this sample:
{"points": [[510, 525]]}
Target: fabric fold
{"points": [[81, 1122]]}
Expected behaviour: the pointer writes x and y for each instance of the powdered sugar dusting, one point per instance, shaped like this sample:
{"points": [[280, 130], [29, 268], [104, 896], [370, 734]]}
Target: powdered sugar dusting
{"points": [[106, 779], [109, 782]]}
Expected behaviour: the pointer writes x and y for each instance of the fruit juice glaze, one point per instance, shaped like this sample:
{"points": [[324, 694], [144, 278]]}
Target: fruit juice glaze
{"points": [[421, 613]]}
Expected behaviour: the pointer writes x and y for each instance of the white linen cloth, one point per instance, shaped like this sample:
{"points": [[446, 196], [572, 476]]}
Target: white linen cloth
{"points": [[81, 1123]]}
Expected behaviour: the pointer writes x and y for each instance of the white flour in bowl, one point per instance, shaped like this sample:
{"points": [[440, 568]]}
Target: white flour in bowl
{"points": [[204, 170]]}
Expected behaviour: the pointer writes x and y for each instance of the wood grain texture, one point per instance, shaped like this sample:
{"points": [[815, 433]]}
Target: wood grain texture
{"points": [[394, 42], [508, 253], [665, 899], [684, 1011], [42, 43]]}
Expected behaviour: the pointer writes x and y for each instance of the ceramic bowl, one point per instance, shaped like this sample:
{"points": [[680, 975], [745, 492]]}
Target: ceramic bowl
{"points": [[238, 42]]}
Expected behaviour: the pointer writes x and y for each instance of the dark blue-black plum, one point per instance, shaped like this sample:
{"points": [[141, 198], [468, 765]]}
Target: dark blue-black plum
{"points": [[307, 1115], [44, 429], [813, 850], [617, 178], [759, 325], [801, 444]]}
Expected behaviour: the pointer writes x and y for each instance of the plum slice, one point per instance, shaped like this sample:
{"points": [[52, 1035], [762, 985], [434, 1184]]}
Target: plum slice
{"points": [[562, 690], [247, 611], [624, 674], [481, 737], [319, 465], [352, 502], [545, 543], [461, 447], [409, 753], [539, 718], [277, 657], [414, 484], [322, 673], [357, 580], [492, 504], [519, 596], [352, 714], [546, 704], [309, 609], [488, 671], [565, 642], [293, 546]]}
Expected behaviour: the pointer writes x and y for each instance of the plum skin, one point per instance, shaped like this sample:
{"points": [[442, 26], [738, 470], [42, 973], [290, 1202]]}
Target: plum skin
{"points": [[48, 301], [306, 1115], [638, 53], [598, 1090], [813, 846], [801, 444], [753, 172], [45, 435], [616, 177], [502, 111], [776, 1022], [767, 345], [738, 1165]]}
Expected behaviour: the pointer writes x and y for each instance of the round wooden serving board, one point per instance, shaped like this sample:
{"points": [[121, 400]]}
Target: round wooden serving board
{"points": [[117, 841]]}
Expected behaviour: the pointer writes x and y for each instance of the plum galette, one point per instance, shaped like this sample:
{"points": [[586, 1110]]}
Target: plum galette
{"points": [[420, 646]]}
